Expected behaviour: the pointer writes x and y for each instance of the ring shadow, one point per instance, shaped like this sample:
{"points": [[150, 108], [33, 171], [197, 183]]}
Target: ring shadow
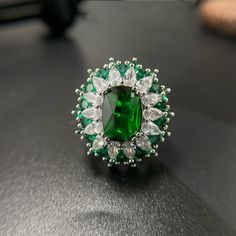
{"points": [[140, 176]]}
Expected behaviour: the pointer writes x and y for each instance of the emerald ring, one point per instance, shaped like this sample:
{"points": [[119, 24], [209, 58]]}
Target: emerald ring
{"points": [[123, 112]]}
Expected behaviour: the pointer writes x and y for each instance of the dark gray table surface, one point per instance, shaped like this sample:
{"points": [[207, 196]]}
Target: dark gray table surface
{"points": [[48, 187]]}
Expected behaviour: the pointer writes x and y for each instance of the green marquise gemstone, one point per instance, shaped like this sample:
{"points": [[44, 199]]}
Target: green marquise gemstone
{"points": [[160, 122], [154, 138], [155, 88], [103, 73], [161, 106], [122, 69], [121, 157], [88, 87], [101, 152], [85, 122], [90, 137], [122, 113], [140, 73]]}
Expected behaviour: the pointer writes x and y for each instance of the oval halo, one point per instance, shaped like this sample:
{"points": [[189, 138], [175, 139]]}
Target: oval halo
{"points": [[151, 126]]}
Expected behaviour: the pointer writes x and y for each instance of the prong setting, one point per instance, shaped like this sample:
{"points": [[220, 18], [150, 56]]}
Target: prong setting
{"points": [[91, 125]]}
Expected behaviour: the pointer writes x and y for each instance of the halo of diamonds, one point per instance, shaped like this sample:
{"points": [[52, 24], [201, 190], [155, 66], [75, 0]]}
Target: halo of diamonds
{"points": [[156, 112]]}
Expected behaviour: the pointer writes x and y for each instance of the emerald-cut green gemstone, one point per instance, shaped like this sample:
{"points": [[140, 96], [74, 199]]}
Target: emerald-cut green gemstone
{"points": [[122, 113]]}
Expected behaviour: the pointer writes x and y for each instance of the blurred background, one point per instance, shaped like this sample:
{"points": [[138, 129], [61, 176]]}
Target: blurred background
{"points": [[48, 187]]}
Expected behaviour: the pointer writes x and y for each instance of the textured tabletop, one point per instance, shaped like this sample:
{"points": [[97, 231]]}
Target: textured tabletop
{"points": [[49, 187]]}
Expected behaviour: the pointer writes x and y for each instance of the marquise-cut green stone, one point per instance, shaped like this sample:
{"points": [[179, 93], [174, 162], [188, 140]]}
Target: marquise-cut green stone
{"points": [[122, 113]]}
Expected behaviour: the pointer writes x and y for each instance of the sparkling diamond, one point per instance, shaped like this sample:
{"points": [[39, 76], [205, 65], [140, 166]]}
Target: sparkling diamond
{"points": [[99, 143], [130, 77], [144, 143], [113, 150], [114, 77], [150, 128], [94, 98], [144, 84], [129, 151], [152, 113], [151, 99], [93, 128], [100, 84], [92, 113]]}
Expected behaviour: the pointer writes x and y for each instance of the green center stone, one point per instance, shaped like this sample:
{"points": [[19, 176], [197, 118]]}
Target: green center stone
{"points": [[122, 113]]}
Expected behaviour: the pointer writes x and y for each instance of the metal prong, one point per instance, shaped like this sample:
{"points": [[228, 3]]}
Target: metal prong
{"points": [[105, 66], [77, 91], [168, 90]]}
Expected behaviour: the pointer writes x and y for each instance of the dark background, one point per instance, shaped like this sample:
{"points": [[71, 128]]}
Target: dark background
{"points": [[47, 186]]}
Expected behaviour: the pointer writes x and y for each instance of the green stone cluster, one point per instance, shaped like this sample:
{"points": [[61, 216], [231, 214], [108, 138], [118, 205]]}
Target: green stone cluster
{"points": [[122, 111]]}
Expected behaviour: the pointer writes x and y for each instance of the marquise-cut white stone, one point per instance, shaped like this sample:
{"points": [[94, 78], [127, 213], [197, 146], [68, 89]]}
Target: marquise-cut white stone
{"points": [[152, 113], [144, 143], [113, 150], [94, 128], [114, 77], [94, 98], [144, 84], [151, 99], [92, 113], [100, 84], [130, 77], [99, 143], [129, 151], [150, 128]]}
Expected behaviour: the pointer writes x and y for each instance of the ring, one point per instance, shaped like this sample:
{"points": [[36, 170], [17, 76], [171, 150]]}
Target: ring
{"points": [[123, 112]]}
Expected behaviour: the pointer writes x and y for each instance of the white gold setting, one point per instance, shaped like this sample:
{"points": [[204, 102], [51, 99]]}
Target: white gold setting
{"points": [[149, 112]]}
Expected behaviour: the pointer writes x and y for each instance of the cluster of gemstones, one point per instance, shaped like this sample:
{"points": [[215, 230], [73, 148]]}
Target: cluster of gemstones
{"points": [[123, 112]]}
